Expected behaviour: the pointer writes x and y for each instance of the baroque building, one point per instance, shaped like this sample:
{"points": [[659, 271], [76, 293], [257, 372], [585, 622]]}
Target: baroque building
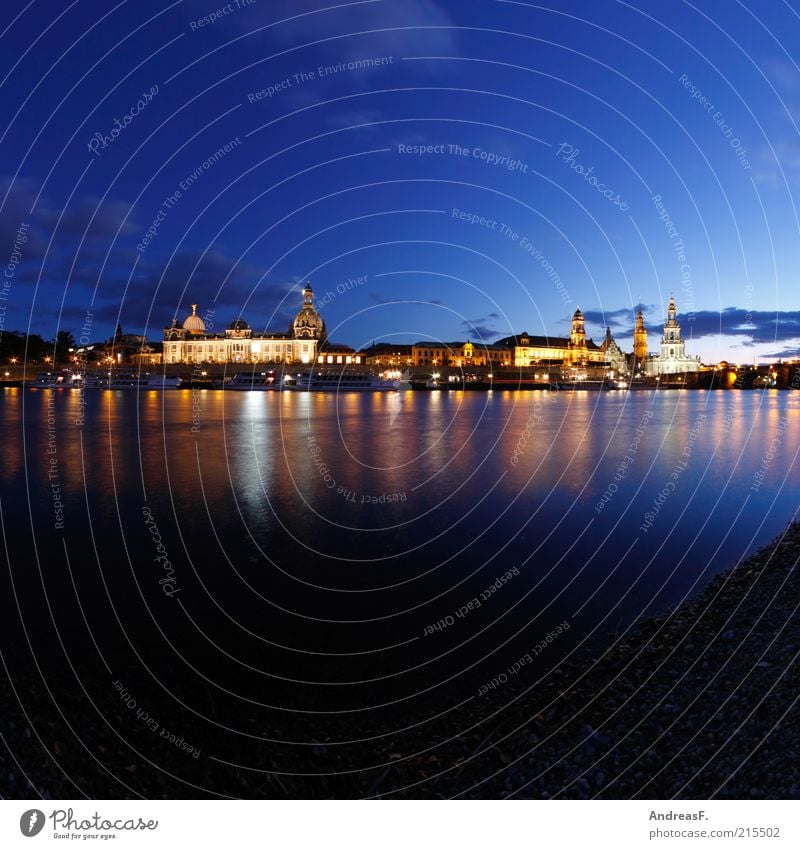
{"points": [[672, 359], [574, 350], [195, 342], [460, 354]]}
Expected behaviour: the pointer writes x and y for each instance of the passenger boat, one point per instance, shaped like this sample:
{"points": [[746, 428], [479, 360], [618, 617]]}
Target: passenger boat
{"points": [[126, 380], [54, 379], [344, 381], [253, 381], [263, 381]]}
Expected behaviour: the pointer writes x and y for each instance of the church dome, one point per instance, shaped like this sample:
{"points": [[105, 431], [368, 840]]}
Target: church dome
{"points": [[308, 323], [577, 313], [239, 324], [193, 323]]}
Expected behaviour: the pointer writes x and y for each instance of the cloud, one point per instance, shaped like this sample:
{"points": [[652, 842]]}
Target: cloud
{"points": [[746, 327], [481, 327], [755, 325], [88, 219], [784, 354]]}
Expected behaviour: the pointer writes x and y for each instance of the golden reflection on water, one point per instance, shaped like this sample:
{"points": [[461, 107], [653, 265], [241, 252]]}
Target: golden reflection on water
{"points": [[297, 454]]}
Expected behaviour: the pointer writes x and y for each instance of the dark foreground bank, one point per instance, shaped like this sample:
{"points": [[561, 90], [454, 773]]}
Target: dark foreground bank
{"points": [[698, 703]]}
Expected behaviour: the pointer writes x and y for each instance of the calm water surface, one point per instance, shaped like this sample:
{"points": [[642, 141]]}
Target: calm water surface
{"points": [[313, 540]]}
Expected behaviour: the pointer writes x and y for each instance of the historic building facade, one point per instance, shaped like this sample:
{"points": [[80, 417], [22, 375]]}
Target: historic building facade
{"points": [[192, 341], [615, 357], [460, 354], [573, 350], [672, 359]]}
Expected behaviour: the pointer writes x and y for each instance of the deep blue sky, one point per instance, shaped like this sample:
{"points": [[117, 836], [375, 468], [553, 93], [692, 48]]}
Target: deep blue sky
{"points": [[318, 188]]}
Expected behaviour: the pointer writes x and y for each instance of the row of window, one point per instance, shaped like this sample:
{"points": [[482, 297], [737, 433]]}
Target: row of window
{"points": [[199, 348]]}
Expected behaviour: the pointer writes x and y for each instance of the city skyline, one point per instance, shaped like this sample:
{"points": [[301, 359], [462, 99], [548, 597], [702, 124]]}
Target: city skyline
{"points": [[474, 197], [594, 330]]}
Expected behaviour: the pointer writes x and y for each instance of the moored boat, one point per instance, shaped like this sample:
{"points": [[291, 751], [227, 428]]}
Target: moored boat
{"points": [[54, 379], [125, 380], [343, 382], [248, 381]]}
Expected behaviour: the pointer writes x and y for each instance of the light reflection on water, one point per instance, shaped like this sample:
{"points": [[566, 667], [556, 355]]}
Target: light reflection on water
{"points": [[355, 507]]}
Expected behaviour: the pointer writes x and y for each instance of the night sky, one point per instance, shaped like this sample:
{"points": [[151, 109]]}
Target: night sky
{"points": [[437, 170]]}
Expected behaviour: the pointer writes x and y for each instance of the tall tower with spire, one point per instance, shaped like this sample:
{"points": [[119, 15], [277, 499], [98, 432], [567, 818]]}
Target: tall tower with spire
{"points": [[577, 337], [672, 359], [672, 346], [640, 339]]}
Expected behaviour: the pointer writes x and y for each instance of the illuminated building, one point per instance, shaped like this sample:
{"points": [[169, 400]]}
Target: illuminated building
{"points": [[574, 350], [460, 354], [639, 340], [194, 342], [672, 359]]}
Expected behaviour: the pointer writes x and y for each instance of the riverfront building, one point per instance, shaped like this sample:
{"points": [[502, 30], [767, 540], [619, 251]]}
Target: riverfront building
{"points": [[575, 350], [460, 354], [191, 342]]}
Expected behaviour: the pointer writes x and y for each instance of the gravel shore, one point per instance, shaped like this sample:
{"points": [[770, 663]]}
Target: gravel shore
{"points": [[697, 703]]}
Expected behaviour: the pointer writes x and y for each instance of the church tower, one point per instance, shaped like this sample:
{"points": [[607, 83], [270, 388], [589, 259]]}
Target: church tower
{"points": [[672, 346], [640, 338], [577, 337]]}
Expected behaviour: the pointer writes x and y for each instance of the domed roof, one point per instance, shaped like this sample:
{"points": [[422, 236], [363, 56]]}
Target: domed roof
{"points": [[239, 324], [308, 323], [577, 313], [193, 323]]}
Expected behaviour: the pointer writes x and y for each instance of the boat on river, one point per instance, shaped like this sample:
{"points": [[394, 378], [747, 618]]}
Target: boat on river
{"points": [[125, 380], [344, 381]]}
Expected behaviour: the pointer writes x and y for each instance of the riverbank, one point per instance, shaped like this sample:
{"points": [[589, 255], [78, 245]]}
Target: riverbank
{"points": [[697, 703]]}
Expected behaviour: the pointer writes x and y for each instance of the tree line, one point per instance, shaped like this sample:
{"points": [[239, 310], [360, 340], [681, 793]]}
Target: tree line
{"points": [[31, 347]]}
